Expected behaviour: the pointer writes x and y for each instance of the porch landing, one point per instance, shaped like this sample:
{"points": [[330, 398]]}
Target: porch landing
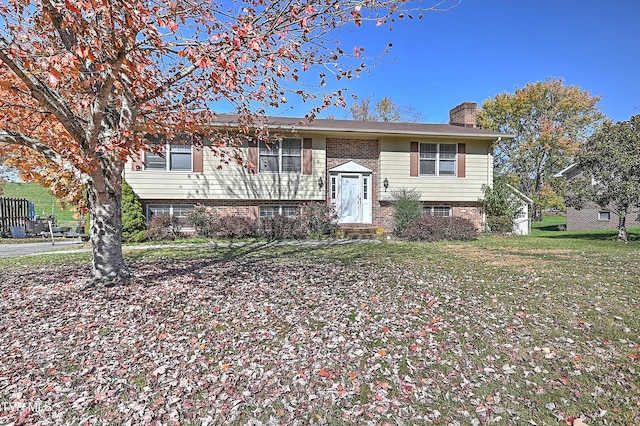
{"points": [[356, 231]]}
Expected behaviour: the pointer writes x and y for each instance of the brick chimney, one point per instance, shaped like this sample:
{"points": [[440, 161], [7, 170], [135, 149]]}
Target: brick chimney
{"points": [[464, 115]]}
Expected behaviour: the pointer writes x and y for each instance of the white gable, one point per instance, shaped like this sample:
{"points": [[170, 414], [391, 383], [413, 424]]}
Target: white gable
{"points": [[350, 167]]}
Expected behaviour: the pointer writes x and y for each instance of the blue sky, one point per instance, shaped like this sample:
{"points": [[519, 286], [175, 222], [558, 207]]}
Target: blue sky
{"points": [[485, 47]]}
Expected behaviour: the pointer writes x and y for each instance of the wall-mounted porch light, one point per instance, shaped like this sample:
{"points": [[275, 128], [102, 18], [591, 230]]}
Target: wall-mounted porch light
{"points": [[320, 182], [385, 183]]}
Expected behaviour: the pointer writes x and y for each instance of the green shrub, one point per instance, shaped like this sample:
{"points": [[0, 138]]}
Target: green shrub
{"points": [[138, 237], [406, 208], [317, 219], [500, 224], [430, 228], [203, 221], [163, 227], [133, 219], [501, 206]]}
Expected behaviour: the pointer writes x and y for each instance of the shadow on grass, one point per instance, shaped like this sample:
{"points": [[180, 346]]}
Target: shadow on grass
{"points": [[232, 260], [553, 231], [549, 228]]}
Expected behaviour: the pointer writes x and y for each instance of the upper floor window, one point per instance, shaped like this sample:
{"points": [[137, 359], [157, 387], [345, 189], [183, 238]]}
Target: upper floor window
{"points": [[283, 156], [438, 159], [176, 157]]}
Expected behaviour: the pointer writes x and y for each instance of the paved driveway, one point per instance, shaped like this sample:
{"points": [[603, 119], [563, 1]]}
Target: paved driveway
{"points": [[7, 250]]}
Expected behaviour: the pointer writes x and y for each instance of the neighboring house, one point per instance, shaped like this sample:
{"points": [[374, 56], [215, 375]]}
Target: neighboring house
{"points": [[354, 164], [592, 216]]}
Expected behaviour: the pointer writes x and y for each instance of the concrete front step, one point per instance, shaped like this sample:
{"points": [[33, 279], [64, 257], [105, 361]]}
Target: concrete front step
{"points": [[361, 232]]}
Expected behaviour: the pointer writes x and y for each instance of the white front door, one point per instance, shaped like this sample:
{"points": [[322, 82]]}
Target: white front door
{"points": [[351, 194], [349, 199]]}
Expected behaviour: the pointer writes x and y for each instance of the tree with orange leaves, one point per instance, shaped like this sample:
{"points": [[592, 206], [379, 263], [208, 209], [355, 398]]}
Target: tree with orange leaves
{"points": [[550, 122], [84, 82]]}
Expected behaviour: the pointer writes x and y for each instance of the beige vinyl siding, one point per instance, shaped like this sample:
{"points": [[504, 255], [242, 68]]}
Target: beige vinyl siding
{"points": [[394, 166], [231, 182]]}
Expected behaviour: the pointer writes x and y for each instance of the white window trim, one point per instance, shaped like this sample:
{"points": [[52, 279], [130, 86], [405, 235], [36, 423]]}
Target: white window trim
{"points": [[437, 160], [278, 146], [608, 213]]}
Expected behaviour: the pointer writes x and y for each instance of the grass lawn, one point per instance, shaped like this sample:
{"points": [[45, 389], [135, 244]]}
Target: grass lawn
{"points": [[514, 330], [44, 202]]}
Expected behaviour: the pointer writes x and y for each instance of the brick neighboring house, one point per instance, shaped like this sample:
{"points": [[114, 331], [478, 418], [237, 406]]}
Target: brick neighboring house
{"points": [[592, 216], [354, 164]]}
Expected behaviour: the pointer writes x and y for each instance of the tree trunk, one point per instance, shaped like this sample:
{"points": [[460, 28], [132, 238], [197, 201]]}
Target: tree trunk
{"points": [[105, 208], [622, 227]]}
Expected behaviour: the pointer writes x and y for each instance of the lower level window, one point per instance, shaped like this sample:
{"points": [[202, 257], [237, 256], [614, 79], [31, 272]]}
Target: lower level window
{"points": [[438, 211], [178, 211], [604, 216], [269, 211]]}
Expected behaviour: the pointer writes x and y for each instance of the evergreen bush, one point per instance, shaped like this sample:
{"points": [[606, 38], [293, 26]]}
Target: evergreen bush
{"points": [[134, 222], [406, 208]]}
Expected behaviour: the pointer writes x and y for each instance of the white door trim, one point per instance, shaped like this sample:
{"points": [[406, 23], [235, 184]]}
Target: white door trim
{"points": [[361, 198]]}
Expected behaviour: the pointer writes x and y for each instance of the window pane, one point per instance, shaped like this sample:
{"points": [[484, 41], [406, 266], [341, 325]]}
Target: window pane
{"points": [[428, 150], [290, 164], [333, 187], [365, 189], [447, 151], [291, 146], [180, 148], [604, 216], [268, 148], [427, 167], [447, 168], [180, 210], [159, 209], [441, 211], [268, 164], [180, 161], [155, 162], [268, 211], [289, 211]]}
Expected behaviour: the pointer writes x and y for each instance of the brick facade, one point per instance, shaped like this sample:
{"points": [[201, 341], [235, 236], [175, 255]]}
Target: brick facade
{"points": [[365, 152], [587, 218], [471, 211], [247, 208]]}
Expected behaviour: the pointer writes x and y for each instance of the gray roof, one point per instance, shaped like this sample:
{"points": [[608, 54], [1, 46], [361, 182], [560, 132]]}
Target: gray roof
{"points": [[372, 127]]}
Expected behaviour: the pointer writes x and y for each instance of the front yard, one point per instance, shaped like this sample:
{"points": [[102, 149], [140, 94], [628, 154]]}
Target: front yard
{"points": [[531, 330]]}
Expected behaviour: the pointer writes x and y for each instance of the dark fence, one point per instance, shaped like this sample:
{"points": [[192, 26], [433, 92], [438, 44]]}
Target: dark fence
{"points": [[14, 212]]}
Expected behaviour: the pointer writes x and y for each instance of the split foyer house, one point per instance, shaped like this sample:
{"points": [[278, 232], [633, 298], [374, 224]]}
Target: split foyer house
{"points": [[355, 165]]}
